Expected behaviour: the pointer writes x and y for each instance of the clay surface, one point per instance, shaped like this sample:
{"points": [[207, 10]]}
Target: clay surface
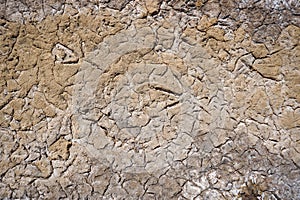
{"points": [[125, 99]]}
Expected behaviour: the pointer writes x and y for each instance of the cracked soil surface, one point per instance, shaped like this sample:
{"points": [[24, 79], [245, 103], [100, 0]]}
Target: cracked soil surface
{"points": [[151, 99]]}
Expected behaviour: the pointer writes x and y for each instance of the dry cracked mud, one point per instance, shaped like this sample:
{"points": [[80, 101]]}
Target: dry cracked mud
{"points": [[127, 99]]}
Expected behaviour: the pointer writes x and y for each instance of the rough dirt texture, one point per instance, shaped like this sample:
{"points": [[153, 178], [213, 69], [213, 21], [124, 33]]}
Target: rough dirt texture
{"points": [[150, 99]]}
